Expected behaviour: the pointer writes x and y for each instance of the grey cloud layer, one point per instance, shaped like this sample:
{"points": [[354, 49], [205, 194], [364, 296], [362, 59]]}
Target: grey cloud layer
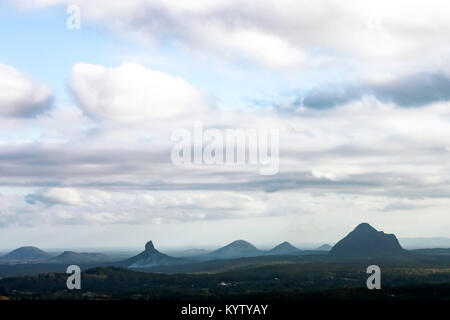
{"points": [[407, 91]]}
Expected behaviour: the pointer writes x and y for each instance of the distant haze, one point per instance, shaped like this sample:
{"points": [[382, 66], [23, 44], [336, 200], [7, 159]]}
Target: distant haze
{"points": [[421, 243]]}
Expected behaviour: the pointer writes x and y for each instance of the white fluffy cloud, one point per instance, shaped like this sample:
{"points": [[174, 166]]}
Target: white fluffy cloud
{"points": [[20, 95], [132, 92]]}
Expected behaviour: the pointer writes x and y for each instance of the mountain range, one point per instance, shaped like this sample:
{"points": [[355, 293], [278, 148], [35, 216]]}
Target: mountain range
{"points": [[29, 254], [363, 241]]}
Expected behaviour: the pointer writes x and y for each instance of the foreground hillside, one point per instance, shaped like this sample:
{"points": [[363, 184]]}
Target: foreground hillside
{"points": [[296, 280]]}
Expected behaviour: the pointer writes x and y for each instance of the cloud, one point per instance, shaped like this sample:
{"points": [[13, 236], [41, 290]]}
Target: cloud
{"points": [[404, 206], [68, 196], [364, 147], [406, 91], [53, 196], [132, 92], [358, 157], [290, 33], [20, 95], [87, 205], [349, 152]]}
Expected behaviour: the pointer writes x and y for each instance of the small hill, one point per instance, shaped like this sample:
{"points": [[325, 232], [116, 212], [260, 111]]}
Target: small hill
{"points": [[236, 249], [150, 257], [68, 257], [324, 247], [24, 254], [365, 241], [284, 248]]}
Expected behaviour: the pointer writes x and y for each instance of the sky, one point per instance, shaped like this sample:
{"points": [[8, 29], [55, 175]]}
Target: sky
{"points": [[359, 93]]}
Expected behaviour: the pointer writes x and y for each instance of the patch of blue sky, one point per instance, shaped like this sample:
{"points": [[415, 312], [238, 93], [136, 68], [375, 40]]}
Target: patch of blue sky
{"points": [[38, 43]]}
